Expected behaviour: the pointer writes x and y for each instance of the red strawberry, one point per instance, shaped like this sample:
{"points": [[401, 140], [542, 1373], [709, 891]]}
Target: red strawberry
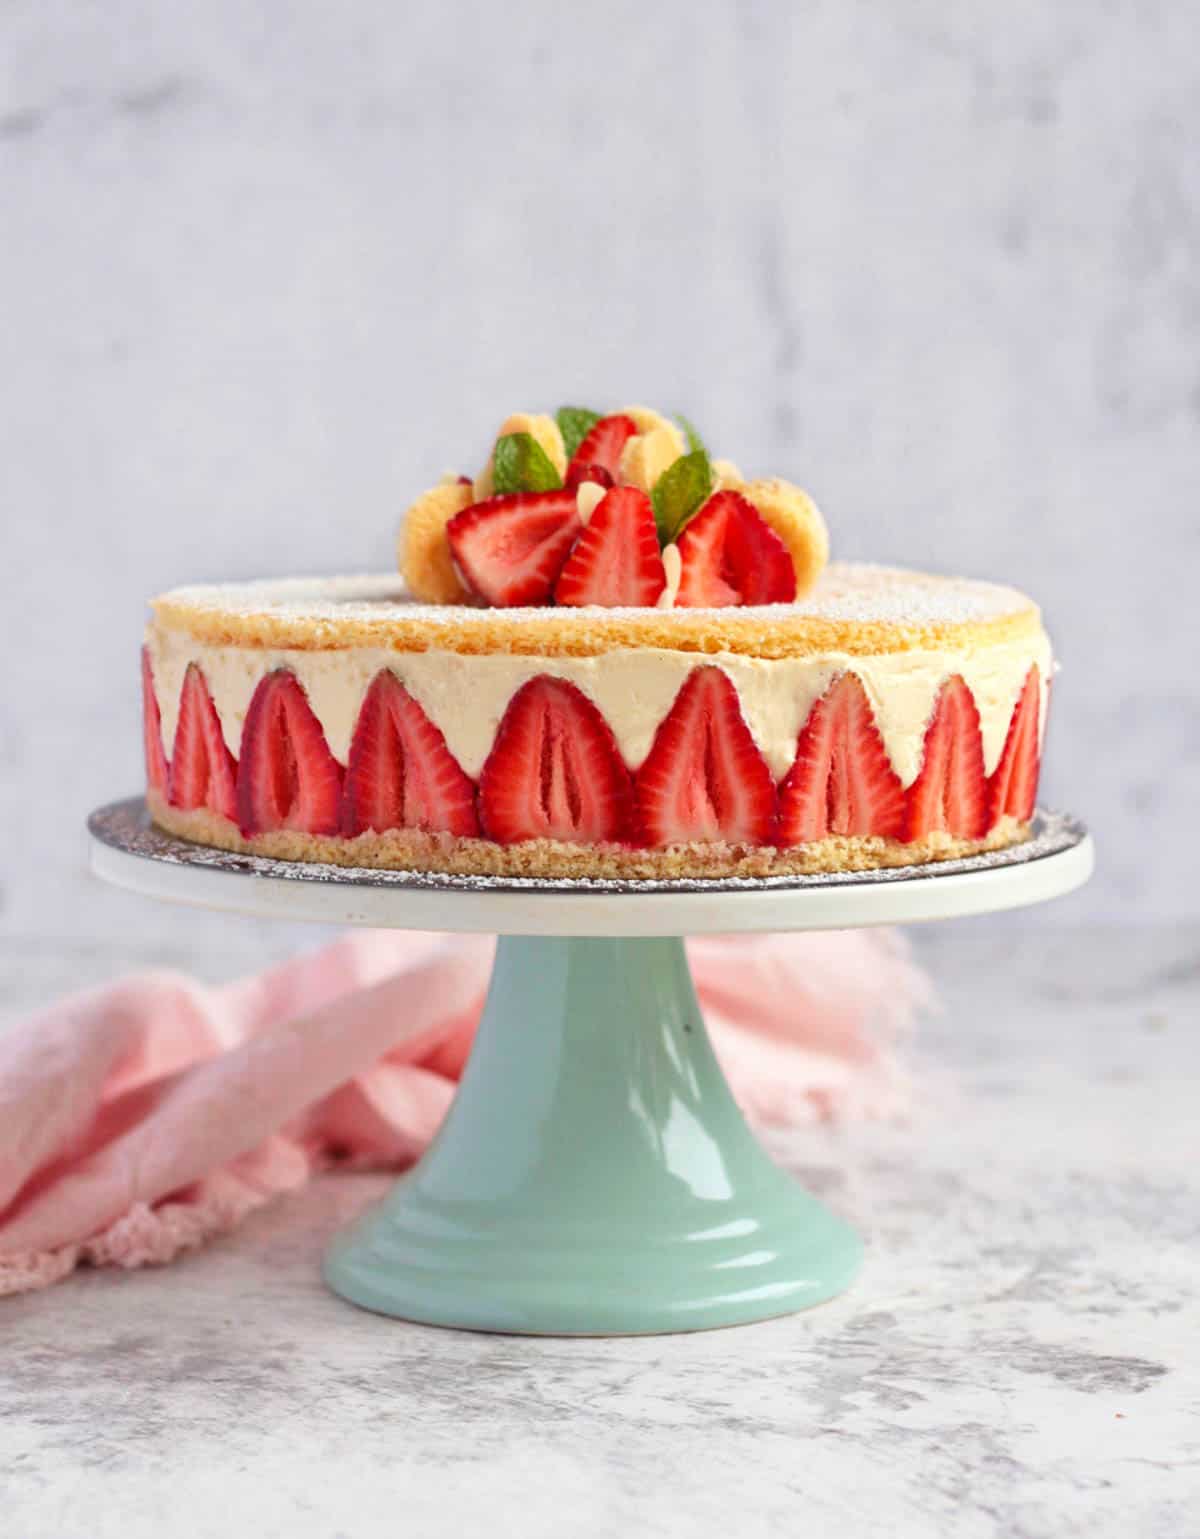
{"points": [[400, 773], [510, 549], [704, 778], [730, 555], [157, 769], [603, 445], [842, 781], [203, 771], [948, 794], [616, 559], [578, 473], [1012, 786], [287, 778], [554, 771]]}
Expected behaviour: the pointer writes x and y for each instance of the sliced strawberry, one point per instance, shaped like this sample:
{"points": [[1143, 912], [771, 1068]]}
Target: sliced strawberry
{"points": [[510, 549], [554, 771], [287, 778], [1012, 785], [603, 445], [203, 771], [577, 474], [157, 769], [704, 778], [616, 559], [842, 781], [400, 773], [730, 555], [948, 796]]}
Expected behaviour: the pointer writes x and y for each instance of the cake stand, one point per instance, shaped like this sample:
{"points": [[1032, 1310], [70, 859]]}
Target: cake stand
{"points": [[593, 1175]]}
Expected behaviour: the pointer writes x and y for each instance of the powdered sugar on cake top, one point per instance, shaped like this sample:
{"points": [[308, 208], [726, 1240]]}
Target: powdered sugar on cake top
{"points": [[846, 593]]}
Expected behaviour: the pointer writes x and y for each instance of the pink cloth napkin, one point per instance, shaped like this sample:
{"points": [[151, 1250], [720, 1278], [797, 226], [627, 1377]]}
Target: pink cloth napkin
{"points": [[139, 1119]]}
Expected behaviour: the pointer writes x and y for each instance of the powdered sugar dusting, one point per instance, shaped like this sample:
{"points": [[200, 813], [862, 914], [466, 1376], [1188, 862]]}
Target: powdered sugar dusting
{"points": [[846, 592], [896, 596]]}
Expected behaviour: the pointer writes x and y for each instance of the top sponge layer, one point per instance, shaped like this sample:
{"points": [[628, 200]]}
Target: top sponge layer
{"points": [[854, 608]]}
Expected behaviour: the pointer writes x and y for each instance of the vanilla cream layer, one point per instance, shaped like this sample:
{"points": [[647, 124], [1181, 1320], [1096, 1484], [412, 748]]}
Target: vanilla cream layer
{"points": [[466, 695]]}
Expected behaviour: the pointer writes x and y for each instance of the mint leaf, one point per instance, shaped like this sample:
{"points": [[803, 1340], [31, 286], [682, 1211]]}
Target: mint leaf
{"points": [[520, 464], [695, 442], [679, 492], [575, 423]]}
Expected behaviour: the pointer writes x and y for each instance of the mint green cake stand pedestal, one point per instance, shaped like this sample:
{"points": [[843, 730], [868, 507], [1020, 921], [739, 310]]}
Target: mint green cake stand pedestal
{"points": [[593, 1175]]}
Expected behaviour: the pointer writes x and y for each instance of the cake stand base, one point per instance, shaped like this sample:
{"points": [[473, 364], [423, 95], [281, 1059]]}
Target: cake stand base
{"points": [[593, 1176]]}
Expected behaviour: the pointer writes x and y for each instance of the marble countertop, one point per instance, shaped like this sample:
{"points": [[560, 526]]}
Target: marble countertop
{"points": [[1018, 1359]]}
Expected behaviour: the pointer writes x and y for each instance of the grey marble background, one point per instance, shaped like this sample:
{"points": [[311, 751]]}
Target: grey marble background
{"points": [[267, 270]]}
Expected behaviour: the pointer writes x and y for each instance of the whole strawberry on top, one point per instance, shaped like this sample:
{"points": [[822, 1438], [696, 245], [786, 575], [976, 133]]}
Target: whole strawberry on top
{"points": [[618, 509]]}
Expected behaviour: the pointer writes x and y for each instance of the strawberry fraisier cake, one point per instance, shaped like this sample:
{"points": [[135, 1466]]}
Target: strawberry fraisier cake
{"points": [[607, 655]]}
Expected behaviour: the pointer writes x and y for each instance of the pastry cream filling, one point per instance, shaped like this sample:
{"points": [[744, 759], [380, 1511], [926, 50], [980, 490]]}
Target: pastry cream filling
{"points": [[466, 695]]}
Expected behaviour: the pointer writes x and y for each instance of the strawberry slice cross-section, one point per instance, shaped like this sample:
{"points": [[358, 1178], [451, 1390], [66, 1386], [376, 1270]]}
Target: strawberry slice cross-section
{"points": [[157, 769], [616, 560], [1012, 786], [287, 778], [730, 555], [509, 550], [842, 781], [203, 771], [400, 773], [601, 447], [578, 473], [704, 778], [554, 771], [948, 795]]}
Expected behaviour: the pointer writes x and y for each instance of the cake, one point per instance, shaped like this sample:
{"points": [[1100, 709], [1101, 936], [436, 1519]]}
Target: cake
{"points": [[606, 655]]}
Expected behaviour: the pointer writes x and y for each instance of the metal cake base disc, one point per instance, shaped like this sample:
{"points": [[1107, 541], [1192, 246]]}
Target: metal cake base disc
{"points": [[593, 1175]]}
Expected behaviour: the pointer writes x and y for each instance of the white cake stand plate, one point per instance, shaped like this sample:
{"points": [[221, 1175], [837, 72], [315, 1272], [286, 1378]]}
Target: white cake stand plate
{"points": [[593, 1175]]}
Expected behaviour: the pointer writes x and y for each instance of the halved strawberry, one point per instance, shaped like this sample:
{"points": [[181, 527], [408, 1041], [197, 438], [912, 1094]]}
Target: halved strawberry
{"points": [[603, 444], [157, 769], [704, 778], [203, 771], [730, 555], [616, 559], [400, 773], [948, 795], [287, 778], [510, 549], [577, 474], [842, 781], [554, 771], [1012, 785]]}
